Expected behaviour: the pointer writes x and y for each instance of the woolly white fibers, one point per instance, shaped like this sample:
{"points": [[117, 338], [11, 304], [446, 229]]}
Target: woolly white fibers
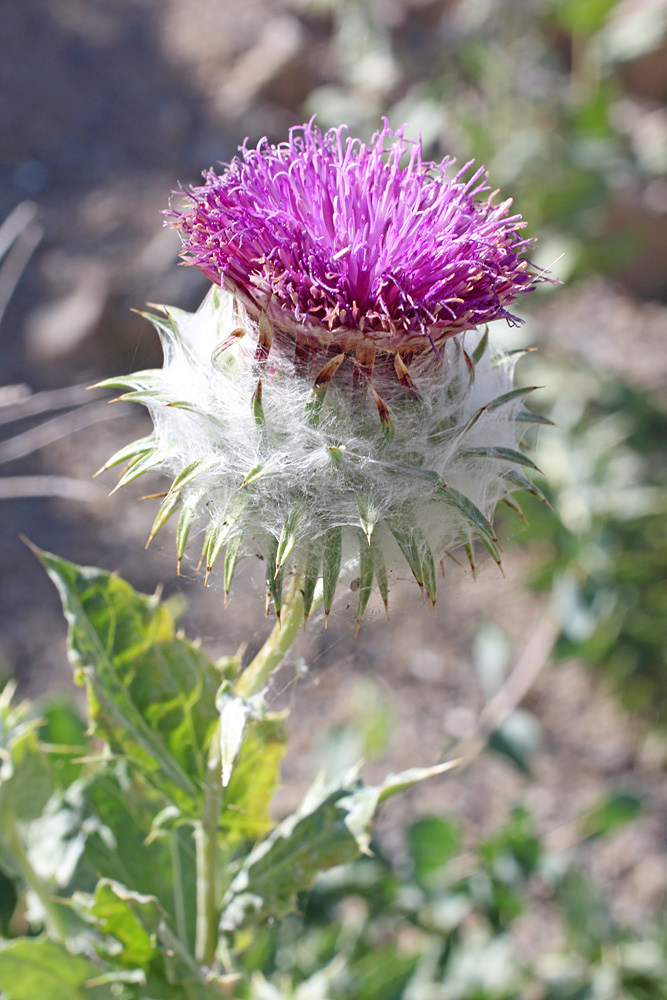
{"points": [[325, 463]]}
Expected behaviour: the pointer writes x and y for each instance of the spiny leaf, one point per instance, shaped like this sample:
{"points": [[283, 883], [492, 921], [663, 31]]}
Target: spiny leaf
{"points": [[264, 339], [311, 576], [469, 364], [170, 503], [522, 483], [274, 576], [472, 514], [186, 517], [146, 396], [192, 470], [404, 376], [386, 420], [257, 408], [257, 472], [408, 546], [428, 568], [499, 401], [231, 558], [367, 514], [469, 549], [381, 574], [221, 530], [528, 417], [507, 397], [320, 386], [331, 560], [493, 549], [365, 581], [152, 460], [288, 536], [135, 449], [134, 382], [233, 338], [478, 353], [513, 505], [197, 411], [502, 454], [502, 358]]}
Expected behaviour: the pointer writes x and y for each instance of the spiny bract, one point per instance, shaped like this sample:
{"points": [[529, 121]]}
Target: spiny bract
{"points": [[317, 473]]}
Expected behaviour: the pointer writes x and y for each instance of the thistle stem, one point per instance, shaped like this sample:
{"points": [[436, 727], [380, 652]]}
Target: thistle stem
{"points": [[208, 858], [53, 916], [252, 680], [283, 634]]}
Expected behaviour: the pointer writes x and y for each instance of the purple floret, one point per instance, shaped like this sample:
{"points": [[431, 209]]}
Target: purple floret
{"points": [[340, 241]]}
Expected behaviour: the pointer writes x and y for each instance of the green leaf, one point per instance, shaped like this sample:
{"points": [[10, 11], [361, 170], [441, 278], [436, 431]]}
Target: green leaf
{"points": [[518, 738], [331, 827], [65, 734], [34, 967], [8, 901], [26, 772], [254, 778], [433, 841], [117, 812], [611, 813], [131, 918], [234, 715], [151, 695]]}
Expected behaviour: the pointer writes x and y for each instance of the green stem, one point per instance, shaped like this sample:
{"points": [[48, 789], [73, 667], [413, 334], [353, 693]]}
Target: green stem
{"points": [[252, 680], [283, 634], [208, 858], [177, 874], [55, 925]]}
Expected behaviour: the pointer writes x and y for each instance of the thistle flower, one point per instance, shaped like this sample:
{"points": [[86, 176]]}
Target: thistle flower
{"points": [[323, 408]]}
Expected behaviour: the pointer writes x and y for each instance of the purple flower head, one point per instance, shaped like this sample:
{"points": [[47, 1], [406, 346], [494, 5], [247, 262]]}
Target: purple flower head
{"points": [[351, 245]]}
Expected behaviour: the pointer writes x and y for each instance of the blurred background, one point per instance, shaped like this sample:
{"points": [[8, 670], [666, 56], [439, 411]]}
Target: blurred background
{"points": [[559, 830]]}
